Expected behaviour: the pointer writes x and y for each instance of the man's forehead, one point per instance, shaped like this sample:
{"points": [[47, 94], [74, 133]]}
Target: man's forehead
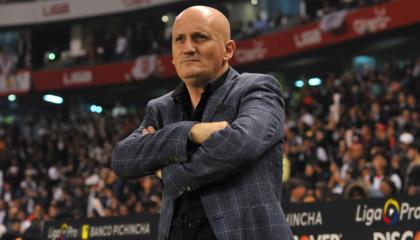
{"points": [[190, 28], [201, 18], [193, 20]]}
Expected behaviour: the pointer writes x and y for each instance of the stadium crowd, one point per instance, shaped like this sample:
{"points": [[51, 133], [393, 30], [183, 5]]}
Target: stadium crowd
{"points": [[355, 136]]}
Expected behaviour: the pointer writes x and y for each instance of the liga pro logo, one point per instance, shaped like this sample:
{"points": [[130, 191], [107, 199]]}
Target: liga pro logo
{"points": [[391, 212], [63, 231]]}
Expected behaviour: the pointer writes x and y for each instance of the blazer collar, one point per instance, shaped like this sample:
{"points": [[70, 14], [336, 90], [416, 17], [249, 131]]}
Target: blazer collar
{"points": [[219, 96]]}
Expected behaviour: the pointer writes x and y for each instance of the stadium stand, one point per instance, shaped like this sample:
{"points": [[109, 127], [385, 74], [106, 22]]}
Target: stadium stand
{"points": [[354, 137], [371, 150]]}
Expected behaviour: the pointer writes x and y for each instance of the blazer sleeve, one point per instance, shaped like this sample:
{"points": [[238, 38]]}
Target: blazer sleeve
{"points": [[257, 127], [140, 155]]}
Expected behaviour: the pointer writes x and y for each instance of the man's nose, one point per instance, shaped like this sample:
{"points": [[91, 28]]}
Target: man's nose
{"points": [[189, 47]]}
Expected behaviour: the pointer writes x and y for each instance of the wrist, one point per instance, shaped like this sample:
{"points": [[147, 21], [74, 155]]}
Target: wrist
{"points": [[192, 131], [189, 136]]}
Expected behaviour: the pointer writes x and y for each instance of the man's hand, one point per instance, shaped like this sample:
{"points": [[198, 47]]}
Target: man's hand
{"points": [[200, 132], [150, 130]]}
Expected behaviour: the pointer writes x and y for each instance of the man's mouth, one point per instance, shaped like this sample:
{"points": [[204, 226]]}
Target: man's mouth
{"points": [[190, 60]]}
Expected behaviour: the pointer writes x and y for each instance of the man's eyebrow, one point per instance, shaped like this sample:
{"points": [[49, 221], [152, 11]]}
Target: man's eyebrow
{"points": [[198, 32], [175, 36], [201, 32]]}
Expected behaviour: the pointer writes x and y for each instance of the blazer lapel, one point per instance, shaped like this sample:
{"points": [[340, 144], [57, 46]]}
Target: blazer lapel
{"points": [[178, 112], [215, 102]]}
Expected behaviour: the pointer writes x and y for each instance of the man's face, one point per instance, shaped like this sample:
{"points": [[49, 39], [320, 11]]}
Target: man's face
{"points": [[198, 50]]}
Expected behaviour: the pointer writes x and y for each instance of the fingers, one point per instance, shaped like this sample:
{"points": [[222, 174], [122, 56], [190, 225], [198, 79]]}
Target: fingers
{"points": [[219, 125], [224, 124], [151, 129], [158, 173], [148, 130]]}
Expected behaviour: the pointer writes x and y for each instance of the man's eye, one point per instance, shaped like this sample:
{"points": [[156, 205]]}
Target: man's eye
{"points": [[178, 39], [200, 37]]}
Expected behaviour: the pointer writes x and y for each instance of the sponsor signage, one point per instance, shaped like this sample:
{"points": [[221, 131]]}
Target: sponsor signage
{"points": [[297, 219], [131, 227], [142, 68], [324, 236], [372, 219], [252, 52], [55, 9], [393, 212], [307, 38], [378, 20], [136, 3], [396, 235], [377, 219]]}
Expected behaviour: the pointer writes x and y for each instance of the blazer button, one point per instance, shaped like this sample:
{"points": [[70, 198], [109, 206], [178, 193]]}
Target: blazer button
{"points": [[188, 188], [180, 192]]}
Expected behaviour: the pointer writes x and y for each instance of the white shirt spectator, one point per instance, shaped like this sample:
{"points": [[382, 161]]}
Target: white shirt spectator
{"points": [[53, 173], [121, 45]]}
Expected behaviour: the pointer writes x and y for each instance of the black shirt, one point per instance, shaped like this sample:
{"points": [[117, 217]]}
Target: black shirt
{"points": [[189, 220]]}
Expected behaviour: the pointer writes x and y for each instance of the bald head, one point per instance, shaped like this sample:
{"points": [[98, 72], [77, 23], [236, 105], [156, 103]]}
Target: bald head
{"points": [[201, 45], [214, 18]]}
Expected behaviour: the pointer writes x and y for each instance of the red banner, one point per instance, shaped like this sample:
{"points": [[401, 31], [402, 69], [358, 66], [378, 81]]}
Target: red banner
{"points": [[104, 74], [336, 28]]}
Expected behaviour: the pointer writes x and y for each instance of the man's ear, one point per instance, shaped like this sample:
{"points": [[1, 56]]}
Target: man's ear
{"points": [[230, 47]]}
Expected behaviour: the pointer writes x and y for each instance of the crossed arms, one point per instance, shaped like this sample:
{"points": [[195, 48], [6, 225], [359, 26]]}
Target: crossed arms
{"points": [[224, 149]]}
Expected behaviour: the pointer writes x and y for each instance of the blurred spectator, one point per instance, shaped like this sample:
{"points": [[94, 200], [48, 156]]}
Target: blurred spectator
{"points": [[412, 174], [297, 190], [356, 190], [121, 46], [260, 25], [309, 198], [387, 188]]}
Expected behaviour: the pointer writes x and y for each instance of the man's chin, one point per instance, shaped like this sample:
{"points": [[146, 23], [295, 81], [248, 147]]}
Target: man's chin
{"points": [[191, 74], [196, 79]]}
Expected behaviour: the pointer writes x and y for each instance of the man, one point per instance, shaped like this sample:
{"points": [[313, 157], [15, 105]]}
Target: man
{"points": [[217, 140]]}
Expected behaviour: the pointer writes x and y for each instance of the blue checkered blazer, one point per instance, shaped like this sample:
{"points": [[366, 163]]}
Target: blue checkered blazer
{"points": [[238, 169]]}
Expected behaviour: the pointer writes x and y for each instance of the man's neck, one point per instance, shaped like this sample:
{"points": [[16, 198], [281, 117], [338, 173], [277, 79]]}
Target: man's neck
{"points": [[196, 91], [195, 95]]}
